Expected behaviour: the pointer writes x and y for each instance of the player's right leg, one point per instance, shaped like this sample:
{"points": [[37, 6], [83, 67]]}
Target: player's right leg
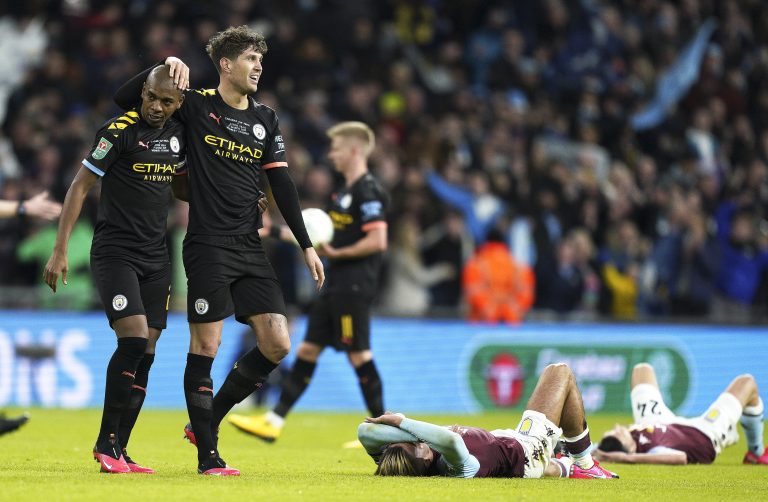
{"points": [[155, 287], [210, 273], [204, 342], [119, 290]]}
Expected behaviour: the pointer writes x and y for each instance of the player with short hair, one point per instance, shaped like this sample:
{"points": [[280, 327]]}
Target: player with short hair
{"points": [[340, 316], [402, 446], [137, 156], [232, 141], [658, 436]]}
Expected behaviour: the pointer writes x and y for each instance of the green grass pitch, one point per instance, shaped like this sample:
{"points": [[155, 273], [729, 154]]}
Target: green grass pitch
{"points": [[49, 459]]}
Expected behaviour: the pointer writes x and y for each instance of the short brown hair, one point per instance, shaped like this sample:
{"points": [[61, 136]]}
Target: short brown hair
{"points": [[397, 461], [357, 130], [232, 42]]}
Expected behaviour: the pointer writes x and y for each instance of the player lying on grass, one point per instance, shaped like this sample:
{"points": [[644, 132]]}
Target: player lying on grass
{"points": [[402, 446], [658, 436]]}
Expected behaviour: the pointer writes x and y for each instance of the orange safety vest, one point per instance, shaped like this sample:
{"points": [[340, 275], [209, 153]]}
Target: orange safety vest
{"points": [[496, 288]]}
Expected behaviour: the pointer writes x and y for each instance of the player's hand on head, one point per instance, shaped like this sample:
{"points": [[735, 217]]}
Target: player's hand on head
{"points": [[315, 266], [388, 418], [40, 206], [57, 265], [179, 72]]}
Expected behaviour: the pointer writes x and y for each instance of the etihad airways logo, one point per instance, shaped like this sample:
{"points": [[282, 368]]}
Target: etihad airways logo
{"points": [[232, 150], [155, 172]]}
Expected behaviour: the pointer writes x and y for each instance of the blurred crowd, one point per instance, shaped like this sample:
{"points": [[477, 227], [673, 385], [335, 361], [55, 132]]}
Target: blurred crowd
{"points": [[499, 123]]}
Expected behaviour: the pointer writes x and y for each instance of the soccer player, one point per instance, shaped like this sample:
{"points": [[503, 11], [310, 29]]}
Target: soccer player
{"points": [[340, 317], [402, 446], [658, 436], [232, 142], [137, 156]]}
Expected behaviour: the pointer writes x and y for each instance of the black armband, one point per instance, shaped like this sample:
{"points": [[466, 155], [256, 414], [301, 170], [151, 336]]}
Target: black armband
{"points": [[128, 96], [20, 209], [287, 200]]}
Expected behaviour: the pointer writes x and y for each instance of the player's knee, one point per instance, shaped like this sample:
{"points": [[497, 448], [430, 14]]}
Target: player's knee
{"points": [[207, 347], [642, 367], [277, 350], [746, 379], [558, 370], [131, 327]]}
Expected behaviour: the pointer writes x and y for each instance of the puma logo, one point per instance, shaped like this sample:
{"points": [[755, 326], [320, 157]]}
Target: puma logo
{"points": [[146, 146], [214, 117]]}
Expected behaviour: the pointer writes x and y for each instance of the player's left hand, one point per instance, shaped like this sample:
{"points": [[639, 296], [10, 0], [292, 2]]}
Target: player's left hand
{"points": [[388, 418], [179, 72], [315, 266]]}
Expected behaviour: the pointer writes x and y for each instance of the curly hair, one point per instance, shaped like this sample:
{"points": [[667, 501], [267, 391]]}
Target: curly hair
{"points": [[232, 42]]}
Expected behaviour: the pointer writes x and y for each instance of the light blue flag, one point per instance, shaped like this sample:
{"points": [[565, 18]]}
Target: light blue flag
{"points": [[676, 81]]}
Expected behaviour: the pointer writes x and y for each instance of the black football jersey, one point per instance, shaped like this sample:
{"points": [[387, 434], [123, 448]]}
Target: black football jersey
{"points": [[354, 210], [227, 149], [136, 163]]}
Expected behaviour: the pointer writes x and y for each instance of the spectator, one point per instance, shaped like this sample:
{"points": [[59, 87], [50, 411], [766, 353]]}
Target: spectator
{"points": [[409, 280], [497, 289]]}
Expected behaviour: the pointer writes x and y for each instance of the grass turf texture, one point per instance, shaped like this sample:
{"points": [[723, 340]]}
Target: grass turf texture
{"points": [[50, 458]]}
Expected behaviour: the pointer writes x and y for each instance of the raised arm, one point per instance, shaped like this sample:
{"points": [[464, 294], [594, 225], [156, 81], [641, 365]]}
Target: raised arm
{"points": [[73, 204], [128, 95]]}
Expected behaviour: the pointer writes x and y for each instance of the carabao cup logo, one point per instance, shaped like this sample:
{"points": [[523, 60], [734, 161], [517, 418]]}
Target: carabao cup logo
{"points": [[505, 379]]}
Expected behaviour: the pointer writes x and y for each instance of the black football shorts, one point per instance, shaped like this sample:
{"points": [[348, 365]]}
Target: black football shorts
{"points": [[128, 287], [233, 277], [341, 321]]}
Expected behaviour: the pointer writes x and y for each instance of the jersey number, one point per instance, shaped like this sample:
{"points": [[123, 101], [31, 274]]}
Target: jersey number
{"points": [[643, 407]]}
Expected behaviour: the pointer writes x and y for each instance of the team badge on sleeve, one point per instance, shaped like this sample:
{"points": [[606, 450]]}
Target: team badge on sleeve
{"points": [[371, 209], [201, 306], [119, 302], [102, 148]]}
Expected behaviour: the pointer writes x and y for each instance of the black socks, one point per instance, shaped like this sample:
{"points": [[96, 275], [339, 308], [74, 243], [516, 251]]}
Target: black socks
{"points": [[138, 393], [248, 374], [295, 385], [370, 384], [198, 391], [121, 372]]}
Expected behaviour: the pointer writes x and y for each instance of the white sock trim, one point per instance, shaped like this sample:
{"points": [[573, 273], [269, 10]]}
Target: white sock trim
{"points": [[754, 411], [580, 436], [275, 420]]}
